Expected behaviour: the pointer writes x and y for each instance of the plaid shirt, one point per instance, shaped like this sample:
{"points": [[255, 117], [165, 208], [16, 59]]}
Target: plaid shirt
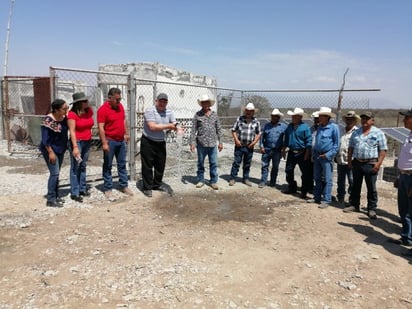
{"points": [[206, 129], [246, 132], [367, 146]]}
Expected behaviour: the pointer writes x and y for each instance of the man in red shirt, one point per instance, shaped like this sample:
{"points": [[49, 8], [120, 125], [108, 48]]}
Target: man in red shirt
{"points": [[113, 133]]}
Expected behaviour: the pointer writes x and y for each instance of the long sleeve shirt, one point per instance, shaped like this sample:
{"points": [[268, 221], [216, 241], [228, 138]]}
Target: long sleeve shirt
{"points": [[272, 135], [206, 129], [298, 138], [54, 134], [327, 141]]}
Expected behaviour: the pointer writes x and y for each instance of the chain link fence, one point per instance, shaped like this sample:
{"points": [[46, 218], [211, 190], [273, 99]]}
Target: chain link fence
{"points": [[27, 99]]}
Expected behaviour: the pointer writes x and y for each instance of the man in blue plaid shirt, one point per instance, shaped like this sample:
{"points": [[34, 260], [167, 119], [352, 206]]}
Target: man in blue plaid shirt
{"points": [[367, 149], [246, 133]]}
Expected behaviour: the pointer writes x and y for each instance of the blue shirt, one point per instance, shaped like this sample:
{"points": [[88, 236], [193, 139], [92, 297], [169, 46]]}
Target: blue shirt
{"points": [[152, 115], [327, 141], [272, 135], [367, 146], [298, 138]]}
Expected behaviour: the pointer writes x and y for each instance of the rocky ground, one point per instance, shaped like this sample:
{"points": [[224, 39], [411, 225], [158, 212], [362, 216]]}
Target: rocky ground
{"points": [[238, 247]]}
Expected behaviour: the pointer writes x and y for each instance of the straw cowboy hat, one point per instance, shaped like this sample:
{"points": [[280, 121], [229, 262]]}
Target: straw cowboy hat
{"points": [[352, 114], [296, 111], [78, 97], [276, 112], [204, 98], [326, 111], [315, 115]]}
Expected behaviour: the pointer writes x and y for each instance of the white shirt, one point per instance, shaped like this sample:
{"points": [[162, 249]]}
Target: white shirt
{"points": [[342, 156]]}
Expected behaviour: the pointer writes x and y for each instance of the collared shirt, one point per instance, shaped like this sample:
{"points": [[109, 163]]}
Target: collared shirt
{"points": [[272, 135], [327, 141], [153, 115], [206, 129], [342, 157], [299, 137], [113, 119], [246, 131], [367, 146], [405, 156]]}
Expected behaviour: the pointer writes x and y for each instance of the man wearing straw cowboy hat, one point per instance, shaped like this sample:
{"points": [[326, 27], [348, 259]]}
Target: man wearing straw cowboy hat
{"points": [[246, 133], [206, 130], [298, 144], [324, 149], [271, 142], [351, 119]]}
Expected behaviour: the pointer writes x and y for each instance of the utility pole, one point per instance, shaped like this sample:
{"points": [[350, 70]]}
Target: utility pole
{"points": [[338, 114], [6, 48]]}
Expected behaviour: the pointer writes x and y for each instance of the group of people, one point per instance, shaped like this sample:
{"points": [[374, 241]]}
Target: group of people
{"points": [[358, 151], [71, 129]]}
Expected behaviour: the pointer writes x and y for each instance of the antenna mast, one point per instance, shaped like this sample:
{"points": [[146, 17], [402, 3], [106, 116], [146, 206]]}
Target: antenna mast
{"points": [[6, 49]]}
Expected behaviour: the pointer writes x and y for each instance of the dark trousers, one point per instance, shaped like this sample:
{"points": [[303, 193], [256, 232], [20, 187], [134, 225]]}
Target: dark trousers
{"points": [[364, 170], [304, 166], [153, 156]]}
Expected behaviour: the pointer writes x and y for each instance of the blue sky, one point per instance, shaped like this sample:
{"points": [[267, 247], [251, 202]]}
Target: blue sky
{"points": [[261, 44]]}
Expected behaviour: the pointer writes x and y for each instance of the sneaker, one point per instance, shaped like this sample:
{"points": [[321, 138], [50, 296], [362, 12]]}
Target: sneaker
{"points": [[200, 184], [148, 193], [214, 186], [126, 191], [247, 182], [372, 214], [232, 182], [351, 209], [323, 205], [262, 184]]}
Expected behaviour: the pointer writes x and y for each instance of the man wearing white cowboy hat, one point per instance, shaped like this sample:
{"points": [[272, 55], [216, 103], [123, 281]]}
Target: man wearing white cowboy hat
{"points": [[343, 169], [298, 144], [271, 142], [246, 133], [206, 130], [324, 149]]}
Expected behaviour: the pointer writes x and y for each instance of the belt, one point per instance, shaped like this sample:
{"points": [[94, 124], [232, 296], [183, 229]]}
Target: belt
{"points": [[373, 160], [297, 150], [405, 172]]}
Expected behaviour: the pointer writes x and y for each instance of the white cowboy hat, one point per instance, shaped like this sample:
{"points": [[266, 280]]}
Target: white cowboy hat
{"points": [[205, 97], [276, 112], [315, 115], [296, 111], [326, 111], [250, 107]]}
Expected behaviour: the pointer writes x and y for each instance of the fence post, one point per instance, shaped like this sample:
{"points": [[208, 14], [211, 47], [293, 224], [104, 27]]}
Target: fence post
{"points": [[131, 106]]}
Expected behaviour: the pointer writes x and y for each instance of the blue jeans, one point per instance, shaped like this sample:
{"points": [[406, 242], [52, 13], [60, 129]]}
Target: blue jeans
{"points": [[54, 170], [210, 152], [323, 173], [364, 170], [78, 170], [242, 153], [274, 155], [118, 150], [405, 206], [344, 172]]}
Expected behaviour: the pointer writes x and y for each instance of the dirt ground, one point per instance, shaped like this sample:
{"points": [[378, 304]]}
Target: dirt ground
{"points": [[237, 247]]}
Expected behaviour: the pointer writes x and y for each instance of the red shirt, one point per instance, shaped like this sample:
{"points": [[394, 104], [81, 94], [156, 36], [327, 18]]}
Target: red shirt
{"points": [[113, 121], [83, 124]]}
